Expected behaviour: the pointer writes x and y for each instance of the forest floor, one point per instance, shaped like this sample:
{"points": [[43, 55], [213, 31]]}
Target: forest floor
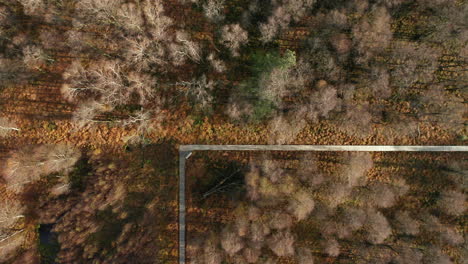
{"points": [[183, 130]]}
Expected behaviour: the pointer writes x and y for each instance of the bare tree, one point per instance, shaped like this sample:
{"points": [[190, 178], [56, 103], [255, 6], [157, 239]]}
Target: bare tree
{"points": [[199, 92], [147, 53], [450, 236], [357, 167], [431, 223], [102, 11], [22, 167], [337, 194], [381, 195], [271, 260], [407, 255], [11, 234], [145, 122], [354, 218], [31, 7], [309, 172], [233, 36], [231, 242], [58, 158], [51, 39], [86, 113], [435, 3], [357, 121], [434, 255], [452, 202], [269, 191], [34, 57], [6, 127], [131, 17], [283, 13], [277, 175], [274, 85], [77, 82], [5, 16], [77, 40], [138, 53], [278, 21], [282, 243], [217, 64], [242, 223], [446, 24], [211, 253], [332, 248], [411, 63], [304, 256], [158, 23], [322, 101], [213, 10], [253, 213], [393, 3], [259, 231], [268, 30], [10, 212], [238, 110], [141, 118], [252, 181], [341, 43], [336, 18], [108, 82], [284, 129], [405, 224], [60, 188], [403, 126], [144, 85], [378, 228], [301, 205], [251, 255], [191, 49], [444, 234], [280, 221], [183, 48], [102, 80], [373, 33], [298, 8], [10, 243], [380, 82], [444, 109], [28, 164], [12, 71]]}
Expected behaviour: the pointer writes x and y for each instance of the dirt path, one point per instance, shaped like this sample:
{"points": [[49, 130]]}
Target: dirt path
{"points": [[183, 131]]}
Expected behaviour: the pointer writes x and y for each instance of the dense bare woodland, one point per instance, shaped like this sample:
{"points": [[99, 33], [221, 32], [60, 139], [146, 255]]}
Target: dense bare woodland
{"points": [[352, 210], [96, 95]]}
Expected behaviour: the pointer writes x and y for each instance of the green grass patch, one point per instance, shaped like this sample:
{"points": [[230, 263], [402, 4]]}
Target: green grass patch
{"points": [[260, 65]]}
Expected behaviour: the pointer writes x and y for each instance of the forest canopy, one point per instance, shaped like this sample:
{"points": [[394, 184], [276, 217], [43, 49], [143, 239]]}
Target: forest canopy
{"points": [[96, 96]]}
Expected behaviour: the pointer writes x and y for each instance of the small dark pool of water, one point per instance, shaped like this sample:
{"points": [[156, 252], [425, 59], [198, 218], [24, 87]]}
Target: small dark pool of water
{"points": [[48, 244]]}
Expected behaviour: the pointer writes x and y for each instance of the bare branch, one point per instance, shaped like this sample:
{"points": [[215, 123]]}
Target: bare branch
{"points": [[6, 127]]}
